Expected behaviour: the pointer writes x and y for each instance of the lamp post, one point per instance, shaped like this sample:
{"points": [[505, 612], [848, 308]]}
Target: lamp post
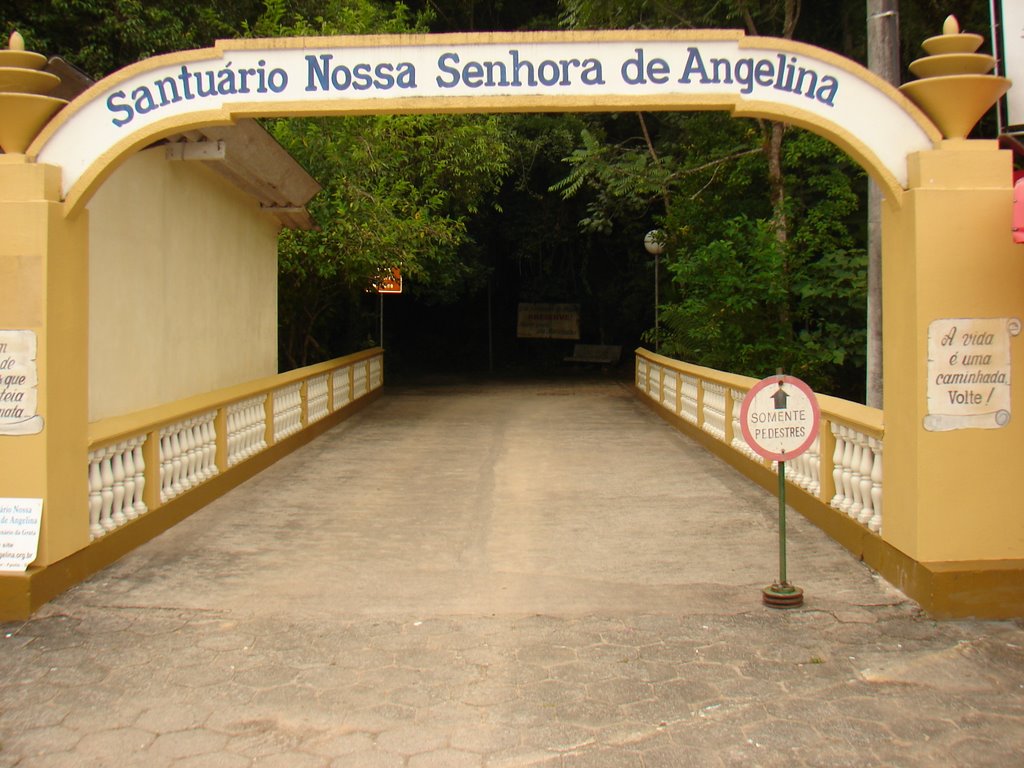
{"points": [[654, 242]]}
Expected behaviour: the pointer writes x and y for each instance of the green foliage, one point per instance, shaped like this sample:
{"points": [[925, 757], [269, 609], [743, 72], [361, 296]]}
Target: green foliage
{"points": [[738, 297], [749, 303], [101, 36], [397, 192]]}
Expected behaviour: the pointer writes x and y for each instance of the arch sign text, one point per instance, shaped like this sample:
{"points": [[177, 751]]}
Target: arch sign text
{"points": [[748, 76]]}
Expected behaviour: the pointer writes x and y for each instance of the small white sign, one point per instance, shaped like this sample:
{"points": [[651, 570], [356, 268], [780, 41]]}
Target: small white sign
{"points": [[969, 373], [19, 532], [780, 418]]}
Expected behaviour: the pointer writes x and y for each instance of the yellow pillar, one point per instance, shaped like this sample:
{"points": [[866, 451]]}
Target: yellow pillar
{"points": [[44, 289], [951, 496]]}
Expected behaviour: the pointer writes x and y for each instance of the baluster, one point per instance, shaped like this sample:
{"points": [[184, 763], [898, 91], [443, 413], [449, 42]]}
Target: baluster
{"points": [[210, 450], [256, 423], [232, 427], [847, 469], [241, 433], [165, 465], [875, 523], [259, 422], [805, 468], [249, 431], [188, 455], [181, 435], [107, 492], [202, 434], [117, 469], [864, 471], [814, 463], [854, 507], [140, 477], [803, 478], [245, 433], [837, 464], [259, 425], [128, 505], [200, 450], [195, 453], [176, 462], [95, 495]]}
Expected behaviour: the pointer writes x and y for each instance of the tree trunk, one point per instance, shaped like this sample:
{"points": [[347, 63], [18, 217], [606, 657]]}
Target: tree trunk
{"points": [[773, 133], [883, 60]]}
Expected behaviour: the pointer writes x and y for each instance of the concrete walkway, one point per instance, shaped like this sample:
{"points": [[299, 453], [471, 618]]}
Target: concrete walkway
{"points": [[500, 575]]}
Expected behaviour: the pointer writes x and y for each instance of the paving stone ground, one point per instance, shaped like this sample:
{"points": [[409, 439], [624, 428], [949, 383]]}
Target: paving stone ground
{"points": [[530, 574]]}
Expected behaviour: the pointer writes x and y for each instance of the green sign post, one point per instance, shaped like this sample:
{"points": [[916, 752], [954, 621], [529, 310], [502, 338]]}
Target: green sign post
{"points": [[780, 420]]}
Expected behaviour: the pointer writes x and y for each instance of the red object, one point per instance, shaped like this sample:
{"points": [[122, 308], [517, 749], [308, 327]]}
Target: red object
{"points": [[1018, 212], [389, 281]]}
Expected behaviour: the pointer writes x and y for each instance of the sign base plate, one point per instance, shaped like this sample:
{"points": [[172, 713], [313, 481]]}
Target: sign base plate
{"points": [[783, 595]]}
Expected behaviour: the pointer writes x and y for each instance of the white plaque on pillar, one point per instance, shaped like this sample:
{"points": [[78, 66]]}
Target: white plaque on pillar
{"points": [[19, 381], [19, 532], [969, 373]]}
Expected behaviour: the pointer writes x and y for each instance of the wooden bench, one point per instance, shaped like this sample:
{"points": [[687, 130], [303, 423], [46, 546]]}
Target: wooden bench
{"points": [[602, 354]]}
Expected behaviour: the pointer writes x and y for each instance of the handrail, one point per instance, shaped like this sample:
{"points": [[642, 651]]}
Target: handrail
{"points": [[843, 467], [863, 417], [118, 427]]}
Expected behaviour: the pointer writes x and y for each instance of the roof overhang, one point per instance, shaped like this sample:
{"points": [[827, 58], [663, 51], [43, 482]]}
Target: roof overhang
{"points": [[243, 153], [252, 160]]}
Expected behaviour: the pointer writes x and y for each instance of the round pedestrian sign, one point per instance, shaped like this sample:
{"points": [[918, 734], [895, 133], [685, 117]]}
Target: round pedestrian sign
{"points": [[780, 417]]}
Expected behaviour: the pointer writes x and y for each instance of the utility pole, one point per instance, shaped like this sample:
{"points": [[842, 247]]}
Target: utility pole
{"points": [[884, 61]]}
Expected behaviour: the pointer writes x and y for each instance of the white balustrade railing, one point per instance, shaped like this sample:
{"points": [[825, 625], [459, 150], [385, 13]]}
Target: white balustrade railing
{"points": [[139, 462], [848, 477], [188, 451], [287, 410], [857, 475], [316, 399], [117, 481], [247, 429]]}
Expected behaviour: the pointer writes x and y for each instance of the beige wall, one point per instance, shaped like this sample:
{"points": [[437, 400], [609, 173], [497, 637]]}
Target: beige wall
{"points": [[182, 286]]}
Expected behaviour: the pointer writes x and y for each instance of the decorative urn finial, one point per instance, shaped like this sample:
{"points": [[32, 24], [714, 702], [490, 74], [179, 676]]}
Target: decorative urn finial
{"points": [[955, 88], [24, 109]]}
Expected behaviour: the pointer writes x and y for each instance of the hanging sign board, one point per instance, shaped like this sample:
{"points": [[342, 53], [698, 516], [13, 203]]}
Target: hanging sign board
{"points": [[548, 321], [780, 418], [389, 282]]}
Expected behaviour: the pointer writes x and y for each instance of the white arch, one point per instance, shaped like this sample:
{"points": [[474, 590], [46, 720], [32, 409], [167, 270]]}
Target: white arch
{"points": [[534, 72]]}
